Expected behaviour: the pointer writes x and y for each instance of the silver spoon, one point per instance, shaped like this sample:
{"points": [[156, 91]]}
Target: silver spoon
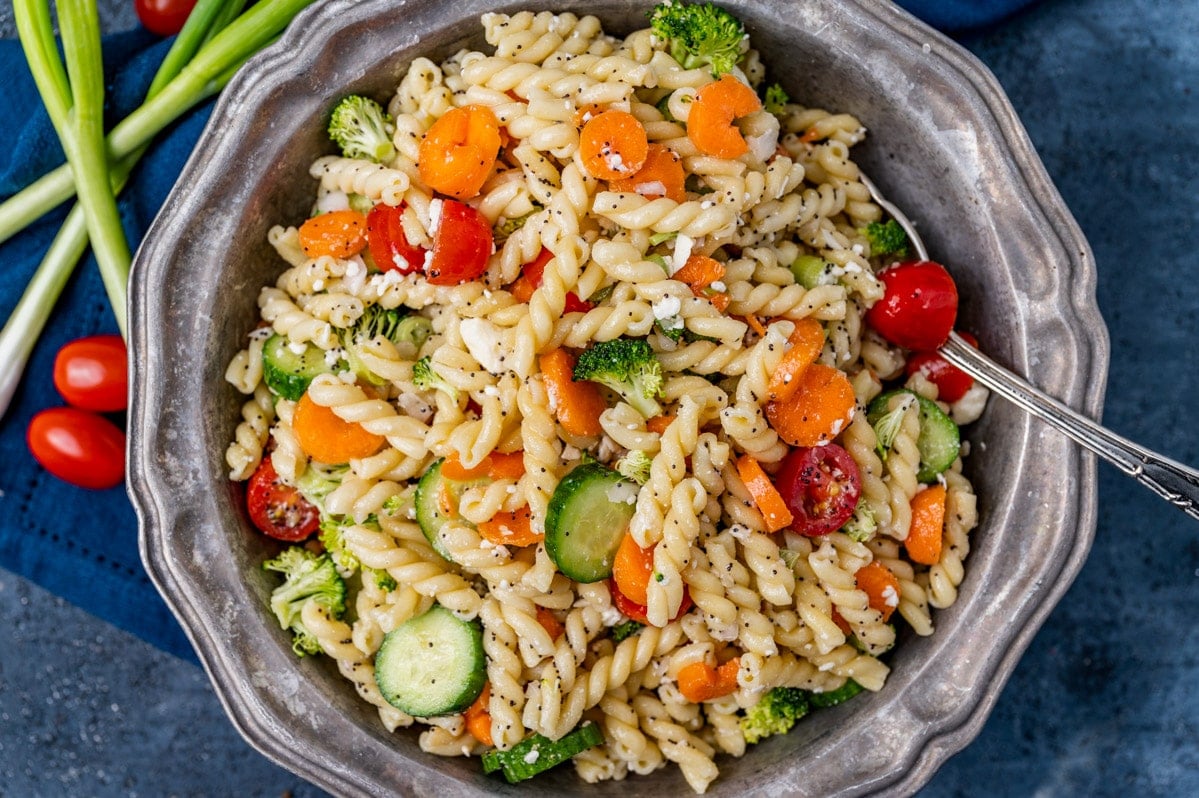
{"points": [[1169, 479]]}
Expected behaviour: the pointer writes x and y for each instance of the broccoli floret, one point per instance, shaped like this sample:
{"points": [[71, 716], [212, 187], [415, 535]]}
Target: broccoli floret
{"points": [[510, 226], [862, 526], [425, 377], [775, 713], [627, 366], [408, 332], [699, 35], [362, 129], [383, 580], [307, 577], [776, 99], [626, 629], [333, 539], [318, 481], [672, 327], [635, 466], [886, 238]]}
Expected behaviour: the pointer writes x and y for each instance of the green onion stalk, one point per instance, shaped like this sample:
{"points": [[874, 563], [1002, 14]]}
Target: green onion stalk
{"points": [[214, 43]]}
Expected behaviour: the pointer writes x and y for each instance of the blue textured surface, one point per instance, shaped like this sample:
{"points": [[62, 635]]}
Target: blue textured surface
{"points": [[1101, 704]]}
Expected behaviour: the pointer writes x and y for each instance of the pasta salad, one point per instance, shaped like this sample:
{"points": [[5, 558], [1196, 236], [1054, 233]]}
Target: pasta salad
{"points": [[570, 411]]}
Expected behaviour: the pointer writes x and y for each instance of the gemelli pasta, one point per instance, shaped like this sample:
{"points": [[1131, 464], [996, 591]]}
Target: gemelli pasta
{"points": [[567, 388]]}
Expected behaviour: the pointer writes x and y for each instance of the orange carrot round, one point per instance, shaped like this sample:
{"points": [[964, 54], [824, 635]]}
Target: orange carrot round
{"points": [[510, 529], [710, 120], [923, 543], [880, 586], [661, 176], [577, 405], [458, 152], [632, 569], [497, 465], [659, 424], [478, 717], [613, 145], [337, 234], [550, 623], [769, 501], [820, 408], [699, 681], [806, 343], [326, 438]]}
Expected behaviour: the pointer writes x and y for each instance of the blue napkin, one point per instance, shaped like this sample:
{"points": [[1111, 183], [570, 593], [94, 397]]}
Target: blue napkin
{"points": [[79, 544]]}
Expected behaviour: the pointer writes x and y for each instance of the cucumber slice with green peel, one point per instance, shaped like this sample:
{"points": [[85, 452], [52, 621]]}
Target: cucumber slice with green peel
{"points": [[432, 665], [586, 520], [834, 697], [811, 271], [537, 753], [428, 504], [287, 371], [939, 441]]}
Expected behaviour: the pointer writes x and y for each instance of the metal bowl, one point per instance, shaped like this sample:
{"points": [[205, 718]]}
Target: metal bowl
{"points": [[945, 145]]}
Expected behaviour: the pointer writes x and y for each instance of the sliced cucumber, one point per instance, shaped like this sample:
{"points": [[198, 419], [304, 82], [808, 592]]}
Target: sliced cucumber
{"points": [[288, 372], [811, 271], [428, 504], [432, 664], [939, 441], [537, 753], [586, 521]]}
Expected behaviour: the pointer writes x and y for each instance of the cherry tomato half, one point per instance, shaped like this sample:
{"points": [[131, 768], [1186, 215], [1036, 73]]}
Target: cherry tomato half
{"points": [[461, 245], [78, 447], [534, 271], [164, 17], [637, 612], [91, 373], [919, 306], [952, 383], [821, 486], [388, 245], [278, 510]]}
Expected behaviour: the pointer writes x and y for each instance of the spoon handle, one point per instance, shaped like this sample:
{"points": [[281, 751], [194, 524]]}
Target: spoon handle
{"points": [[1173, 481]]}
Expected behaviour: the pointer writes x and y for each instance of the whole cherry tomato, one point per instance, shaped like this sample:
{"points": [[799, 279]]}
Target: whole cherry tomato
{"points": [[77, 446], [462, 243], [637, 612], [952, 383], [919, 306], [164, 17], [91, 373], [821, 486], [388, 245], [278, 510]]}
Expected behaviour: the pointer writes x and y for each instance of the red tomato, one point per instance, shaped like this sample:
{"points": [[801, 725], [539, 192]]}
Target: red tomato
{"points": [[388, 245], [952, 383], [78, 447], [919, 307], [821, 486], [91, 373], [279, 510], [637, 612], [534, 271], [164, 17], [461, 245]]}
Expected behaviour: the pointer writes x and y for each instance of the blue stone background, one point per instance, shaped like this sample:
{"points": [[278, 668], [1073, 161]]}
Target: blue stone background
{"points": [[1102, 704]]}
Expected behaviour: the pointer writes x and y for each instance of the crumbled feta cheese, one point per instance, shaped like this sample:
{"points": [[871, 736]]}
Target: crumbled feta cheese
{"points": [[614, 162], [611, 616], [682, 251], [570, 452], [428, 259], [491, 390], [533, 755], [890, 597], [435, 208], [667, 307], [651, 188], [826, 666], [332, 356], [355, 277], [333, 201], [297, 347], [485, 342], [622, 492], [718, 286]]}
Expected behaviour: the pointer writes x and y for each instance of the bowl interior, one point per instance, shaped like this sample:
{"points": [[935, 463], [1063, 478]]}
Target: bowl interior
{"points": [[943, 144]]}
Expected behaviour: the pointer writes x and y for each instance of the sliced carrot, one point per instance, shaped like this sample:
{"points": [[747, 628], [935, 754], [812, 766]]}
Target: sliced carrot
{"points": [[710, 120], [659, 424], [632, 568], [699, 681], [700, 272], [496, 465], [842, 624], [577, 405], [584, 114], [510, 529], [928, 521], [613, 145], [880, 586], [806, 343], [718, 300], [550, 623], [754, 323], [338, 234], [821, 407], [447, 502], [661, 176], [769, 501], [459, 150], [478, 717], [327, 439]]}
